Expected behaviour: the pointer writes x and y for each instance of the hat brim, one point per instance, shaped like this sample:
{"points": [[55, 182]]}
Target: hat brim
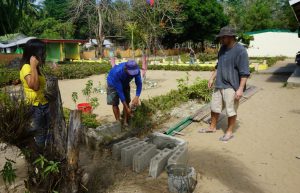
{"points": [[222, 35], [133, 72]]}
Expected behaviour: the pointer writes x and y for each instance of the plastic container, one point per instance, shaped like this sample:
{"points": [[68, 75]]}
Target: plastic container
{"points": [[85, 107]]}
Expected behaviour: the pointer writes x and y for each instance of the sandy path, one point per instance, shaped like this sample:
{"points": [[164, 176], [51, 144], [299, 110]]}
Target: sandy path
{"points": [[166, 82], [261, 157]]}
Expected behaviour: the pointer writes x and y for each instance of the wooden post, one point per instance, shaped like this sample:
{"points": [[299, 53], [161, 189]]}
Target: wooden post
{"points": [[58, 123], [74, 132]]}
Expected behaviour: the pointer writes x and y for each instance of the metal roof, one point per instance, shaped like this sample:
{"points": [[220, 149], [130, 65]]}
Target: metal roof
{"points": [[63, 41], [16, 43]]}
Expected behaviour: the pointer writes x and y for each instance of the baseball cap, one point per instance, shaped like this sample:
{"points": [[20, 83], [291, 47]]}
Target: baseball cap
{"points": [[132, 67]]}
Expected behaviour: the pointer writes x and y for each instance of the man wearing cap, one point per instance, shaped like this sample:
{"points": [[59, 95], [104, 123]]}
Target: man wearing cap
{"points": [[118, 87], [230, 77]]}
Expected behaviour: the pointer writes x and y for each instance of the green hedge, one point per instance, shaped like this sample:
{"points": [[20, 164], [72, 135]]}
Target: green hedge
{"points": [[78, 70], [185, 68], [181, 68], [270, 60]]}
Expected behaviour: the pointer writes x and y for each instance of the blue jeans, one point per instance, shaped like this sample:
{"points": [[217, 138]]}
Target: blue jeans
{"points": [[40, 123]]}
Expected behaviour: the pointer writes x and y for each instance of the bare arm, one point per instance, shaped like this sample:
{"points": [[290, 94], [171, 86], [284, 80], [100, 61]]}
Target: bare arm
{"points": [[240, 91], [33, 79], [212, 79]]}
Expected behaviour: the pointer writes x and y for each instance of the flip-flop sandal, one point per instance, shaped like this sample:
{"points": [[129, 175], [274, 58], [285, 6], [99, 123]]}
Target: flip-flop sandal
{"points": [[225, 137], [207, 131]]}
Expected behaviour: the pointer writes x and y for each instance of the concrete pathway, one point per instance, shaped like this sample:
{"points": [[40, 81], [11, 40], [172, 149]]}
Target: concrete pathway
{"points": [[282, 67]]}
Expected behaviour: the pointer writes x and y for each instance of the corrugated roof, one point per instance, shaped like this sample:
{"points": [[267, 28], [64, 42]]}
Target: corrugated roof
{"points": [[63, 41], [16, 43]]}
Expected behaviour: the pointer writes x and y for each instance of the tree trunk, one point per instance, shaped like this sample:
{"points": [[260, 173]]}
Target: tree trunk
{"points": [[99, 35], [74, 132], [202, 46], [58, 122], [65, 140]]}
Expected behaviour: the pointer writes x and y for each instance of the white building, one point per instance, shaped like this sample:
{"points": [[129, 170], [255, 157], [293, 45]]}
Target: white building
{"points": [[274, 43]]}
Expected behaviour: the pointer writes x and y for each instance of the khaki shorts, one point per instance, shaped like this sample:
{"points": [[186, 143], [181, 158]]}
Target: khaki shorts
{"points": [[224, 99]]}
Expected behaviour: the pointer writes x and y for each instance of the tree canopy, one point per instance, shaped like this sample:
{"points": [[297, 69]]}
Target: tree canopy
{"points": [[165, 22]]}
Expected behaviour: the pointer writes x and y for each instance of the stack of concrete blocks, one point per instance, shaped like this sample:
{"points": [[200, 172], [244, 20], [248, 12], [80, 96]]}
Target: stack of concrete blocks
{"points": [[110, 129], [128, 152], [180, 155], [157, 151], [171, 146], [117, 147], [94, 137], [159, 162], [141, 160], [165, 141]]}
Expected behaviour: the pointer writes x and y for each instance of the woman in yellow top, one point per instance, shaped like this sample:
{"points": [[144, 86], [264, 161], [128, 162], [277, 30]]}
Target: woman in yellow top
{"points": [[34, 85]]}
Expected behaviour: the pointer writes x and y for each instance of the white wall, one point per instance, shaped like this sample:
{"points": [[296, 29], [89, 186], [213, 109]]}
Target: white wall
{"points": [[274, 44]]}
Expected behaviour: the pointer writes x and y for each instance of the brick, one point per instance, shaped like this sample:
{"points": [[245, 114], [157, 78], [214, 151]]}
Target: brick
{"points": [[116, 150]]}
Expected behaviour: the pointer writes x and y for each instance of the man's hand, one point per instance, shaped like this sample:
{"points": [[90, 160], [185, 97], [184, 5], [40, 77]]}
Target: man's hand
{"points": [[239, 94], [34, 62], [135, 101], [210, 83], [127, 109]]}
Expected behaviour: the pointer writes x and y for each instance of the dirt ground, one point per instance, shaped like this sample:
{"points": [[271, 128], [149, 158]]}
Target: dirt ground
{"points": [[166, 80], [261, 158]]}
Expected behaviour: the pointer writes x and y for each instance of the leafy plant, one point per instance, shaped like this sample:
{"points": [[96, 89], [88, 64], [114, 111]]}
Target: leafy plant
{"points": [[8, 173], [94, 102], [75, 98], [87, 91], [88, 120], [45, 167], [15, 120]]}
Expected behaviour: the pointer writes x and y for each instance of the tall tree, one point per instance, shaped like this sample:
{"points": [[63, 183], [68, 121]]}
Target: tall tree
{"points": [[57, 9], [251, 15], [11, 12], [203, 20], [154, 22]]}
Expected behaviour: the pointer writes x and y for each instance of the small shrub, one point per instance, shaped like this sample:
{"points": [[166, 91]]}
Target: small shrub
{"points": [[88, 120]]}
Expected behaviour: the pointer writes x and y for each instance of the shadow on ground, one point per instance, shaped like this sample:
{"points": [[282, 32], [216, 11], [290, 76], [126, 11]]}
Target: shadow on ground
{"points": [[226, 169], [279, 78], [280, 74], [223, 123]]}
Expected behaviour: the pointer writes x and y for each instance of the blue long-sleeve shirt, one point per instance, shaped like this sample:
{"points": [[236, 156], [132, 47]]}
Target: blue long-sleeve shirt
{"points": [[119, 79]]}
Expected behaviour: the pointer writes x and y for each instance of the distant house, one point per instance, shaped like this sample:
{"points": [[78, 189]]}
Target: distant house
{"points": [[273, 42], [60, 50], [56, 50]]}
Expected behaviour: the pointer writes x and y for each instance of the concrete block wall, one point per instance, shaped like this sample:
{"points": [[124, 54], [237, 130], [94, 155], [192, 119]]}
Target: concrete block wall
{"points": [[140, 154], [141, 160], [180, 156], [128, 152], [110, 129], [159, 162], [117, 147]]}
